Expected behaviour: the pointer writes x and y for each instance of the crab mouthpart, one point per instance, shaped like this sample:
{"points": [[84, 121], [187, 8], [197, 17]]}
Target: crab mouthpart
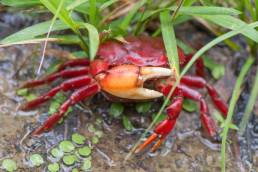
{"points": [[126, 81]]}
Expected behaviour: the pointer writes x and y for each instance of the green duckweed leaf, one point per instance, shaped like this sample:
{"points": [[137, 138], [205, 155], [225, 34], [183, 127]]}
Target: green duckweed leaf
{"points": [[116, 109], [75, 170], [99, 121], [69, 159], [218, 72], [36, 160], [9, 165], [95, 139], [84, 151], [66, 146], [53, 167], [78, 138], [91, 128], [189, 105], [57, 153], [98, 133], [22, 92], [53, 107], [30, 97], [143, 107], [161, 118], [86, 164], [127, 123]]}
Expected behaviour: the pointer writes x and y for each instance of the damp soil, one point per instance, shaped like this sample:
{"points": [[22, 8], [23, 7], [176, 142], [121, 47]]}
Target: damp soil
{"points": [[185, 150]]}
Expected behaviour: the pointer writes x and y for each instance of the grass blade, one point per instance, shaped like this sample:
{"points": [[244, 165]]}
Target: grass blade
{"points": [[233, 24], [124, 25], [169, 39], [20, 4], [250, 9], [249, 106], [52, 6], [107, 4], [75, 4], [196, 10], [33, 31], [93, 11], [217, 70], [93, 39], [233, 101]]}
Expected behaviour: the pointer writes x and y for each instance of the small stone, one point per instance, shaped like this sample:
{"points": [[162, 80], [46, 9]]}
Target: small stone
{"points": [[209, 160], [178, 163]]}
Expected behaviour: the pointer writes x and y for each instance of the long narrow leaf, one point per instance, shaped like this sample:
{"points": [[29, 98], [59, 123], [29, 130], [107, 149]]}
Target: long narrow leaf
{"points": [[93, 39], [124, 25], [233, 101], [93, 11], [249, 106], [107, 4], [75, 4], [169, 39], [63, 15], [20, 4], [196, 10], [33, 31], [233, 24]]}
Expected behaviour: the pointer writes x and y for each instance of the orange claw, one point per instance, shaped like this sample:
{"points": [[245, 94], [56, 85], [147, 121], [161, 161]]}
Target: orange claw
{"points": [[126, 81]]}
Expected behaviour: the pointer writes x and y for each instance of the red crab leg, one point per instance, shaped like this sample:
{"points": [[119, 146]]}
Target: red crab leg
{"points": [[65, 86], [165, 127], [173, 111], [199, 65], [68, 73], [76, 97], [194, 81], [207, 121], [73, 63]]}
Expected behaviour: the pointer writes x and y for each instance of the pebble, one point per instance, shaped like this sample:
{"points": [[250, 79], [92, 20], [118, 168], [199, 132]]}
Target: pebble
{"points": [[209, 160]]}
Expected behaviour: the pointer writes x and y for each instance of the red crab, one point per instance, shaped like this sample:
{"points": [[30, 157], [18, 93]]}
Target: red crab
{"points": [[119, 72]]}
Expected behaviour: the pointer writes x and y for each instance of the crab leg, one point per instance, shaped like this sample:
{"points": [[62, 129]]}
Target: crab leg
{"points": [[207, 121], [65, 86], [68, 73], [199, 82], [76, 97], [73, 63], [199, 64], [165, 127], [173, 111]]}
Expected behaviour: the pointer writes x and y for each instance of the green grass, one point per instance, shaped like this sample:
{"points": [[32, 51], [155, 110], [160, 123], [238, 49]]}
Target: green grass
{"points": [[235, 95]]}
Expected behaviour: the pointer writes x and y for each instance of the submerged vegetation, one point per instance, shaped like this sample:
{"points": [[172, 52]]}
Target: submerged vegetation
{"points": [[87, 23]]}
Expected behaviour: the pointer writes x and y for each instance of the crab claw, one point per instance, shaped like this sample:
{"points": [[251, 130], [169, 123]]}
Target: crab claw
{"points": [[160, 134], [126, 81]]}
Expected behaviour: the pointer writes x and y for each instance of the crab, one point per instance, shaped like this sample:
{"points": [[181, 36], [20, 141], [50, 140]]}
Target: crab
{"points": [[122, 71]]}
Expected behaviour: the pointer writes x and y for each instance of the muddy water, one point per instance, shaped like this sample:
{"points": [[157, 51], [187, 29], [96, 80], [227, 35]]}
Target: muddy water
{"points": [[184, 151]]}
